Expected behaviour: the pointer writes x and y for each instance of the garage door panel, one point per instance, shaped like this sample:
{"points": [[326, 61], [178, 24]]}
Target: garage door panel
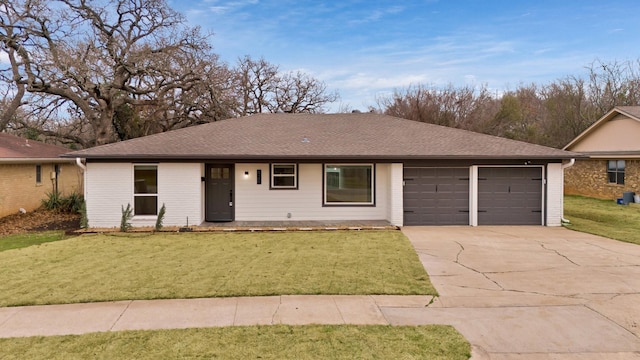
{"points": [[436, 196], [510, 196]]}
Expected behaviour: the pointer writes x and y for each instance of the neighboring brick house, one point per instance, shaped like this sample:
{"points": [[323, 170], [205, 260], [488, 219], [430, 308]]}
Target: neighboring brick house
{"points": [[613, 146], [29, 170]]}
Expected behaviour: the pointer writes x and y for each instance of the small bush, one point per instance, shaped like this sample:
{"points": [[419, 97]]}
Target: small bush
{"points": [[52, 201], [70, 204], [160, 217], [84, 220], [127, 215]]}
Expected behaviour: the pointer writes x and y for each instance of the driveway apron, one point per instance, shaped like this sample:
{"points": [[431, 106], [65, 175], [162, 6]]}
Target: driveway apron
{"points": [[530, 292]]}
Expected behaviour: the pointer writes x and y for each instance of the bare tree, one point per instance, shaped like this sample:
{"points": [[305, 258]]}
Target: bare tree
{"points": [[466, 107], [261, 87], [613, 84], [99, 62]]}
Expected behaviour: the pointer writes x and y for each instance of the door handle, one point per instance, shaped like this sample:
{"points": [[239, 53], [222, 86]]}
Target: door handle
{"points": [[230, 198]]}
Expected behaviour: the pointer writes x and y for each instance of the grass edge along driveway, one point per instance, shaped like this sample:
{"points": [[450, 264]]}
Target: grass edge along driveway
{"points": [[250, 342], [603, 218], [100, 267]]}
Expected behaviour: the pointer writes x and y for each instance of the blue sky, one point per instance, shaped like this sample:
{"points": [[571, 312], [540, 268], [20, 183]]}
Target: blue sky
{"points": [[366, 49]]}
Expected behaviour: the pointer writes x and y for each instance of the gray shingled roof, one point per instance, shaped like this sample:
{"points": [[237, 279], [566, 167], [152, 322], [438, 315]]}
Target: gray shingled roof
{"points": [[320, 136], [631, 110], [14, 147]]}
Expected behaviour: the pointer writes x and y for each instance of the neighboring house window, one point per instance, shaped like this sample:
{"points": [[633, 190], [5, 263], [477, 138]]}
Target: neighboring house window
{"points": [[348, 184], [615, 171], [145, 190], [38, 174], [284, 176]]}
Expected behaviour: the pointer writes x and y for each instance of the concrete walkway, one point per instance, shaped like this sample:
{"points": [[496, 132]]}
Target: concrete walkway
{"points": [[70, 319], [531, 292]]}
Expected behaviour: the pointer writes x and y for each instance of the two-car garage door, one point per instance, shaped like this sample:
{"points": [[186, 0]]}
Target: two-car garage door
{"points": [[505, 196]]}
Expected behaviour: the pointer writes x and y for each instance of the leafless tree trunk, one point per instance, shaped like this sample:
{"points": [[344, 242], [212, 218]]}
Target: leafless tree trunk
{"points": [[94, 57]]}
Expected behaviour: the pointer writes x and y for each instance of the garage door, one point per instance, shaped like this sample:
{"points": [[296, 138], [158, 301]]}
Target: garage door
{"points": [[510, 196], [436, 196]]}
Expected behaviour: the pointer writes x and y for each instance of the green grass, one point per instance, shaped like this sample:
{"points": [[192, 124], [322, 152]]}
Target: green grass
{"points": [[17, 241], [189, 265], [604, 218], [254, 342]]}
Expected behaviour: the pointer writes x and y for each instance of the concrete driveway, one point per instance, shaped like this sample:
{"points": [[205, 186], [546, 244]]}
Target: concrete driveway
{"points": [[531, 292]]}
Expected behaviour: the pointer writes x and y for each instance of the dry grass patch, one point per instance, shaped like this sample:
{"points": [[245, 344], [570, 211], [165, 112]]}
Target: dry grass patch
{"points": [[255, 342], [159, 266]]}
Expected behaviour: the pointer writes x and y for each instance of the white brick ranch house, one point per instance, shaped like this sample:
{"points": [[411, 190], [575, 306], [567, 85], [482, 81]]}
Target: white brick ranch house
{"points": [[323, 167]]}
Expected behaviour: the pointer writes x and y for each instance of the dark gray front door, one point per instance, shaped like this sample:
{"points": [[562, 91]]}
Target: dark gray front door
{"points": [[219, 193], [436, 196], [510, 196]]}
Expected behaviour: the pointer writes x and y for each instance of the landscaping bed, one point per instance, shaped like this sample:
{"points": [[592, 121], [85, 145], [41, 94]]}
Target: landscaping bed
{"points": [[39, 220]]}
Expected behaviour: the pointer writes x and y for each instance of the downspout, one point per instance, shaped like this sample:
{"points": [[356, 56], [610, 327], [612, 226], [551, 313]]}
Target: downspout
{"points": [[565, 166], [83, 167]]}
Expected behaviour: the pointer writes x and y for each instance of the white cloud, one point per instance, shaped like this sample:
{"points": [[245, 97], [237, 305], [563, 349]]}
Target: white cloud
{"points": [[4, 57]]}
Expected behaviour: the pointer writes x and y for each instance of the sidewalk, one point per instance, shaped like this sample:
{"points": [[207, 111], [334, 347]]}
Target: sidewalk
{"points": [[83, 318]]}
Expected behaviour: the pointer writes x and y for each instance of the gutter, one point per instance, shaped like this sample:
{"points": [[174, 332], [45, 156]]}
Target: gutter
{"points": [[34, 160], [565, 166], [84, 168]]}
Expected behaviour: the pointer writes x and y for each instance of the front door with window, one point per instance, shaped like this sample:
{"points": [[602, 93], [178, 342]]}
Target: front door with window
{"points": [[219, 192]]}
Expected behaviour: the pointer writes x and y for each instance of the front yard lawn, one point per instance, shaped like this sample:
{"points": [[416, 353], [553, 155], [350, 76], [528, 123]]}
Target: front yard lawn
{"points": [[102, 267], [603, 217], [252, 342]]}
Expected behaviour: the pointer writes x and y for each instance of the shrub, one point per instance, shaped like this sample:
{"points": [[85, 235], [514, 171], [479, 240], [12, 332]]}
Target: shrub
{"points": [[70, 204], [160, 218], [84, 220], [52, 201], [127, 215]]}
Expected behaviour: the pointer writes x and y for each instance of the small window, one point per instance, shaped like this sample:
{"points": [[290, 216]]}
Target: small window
{"points": [[615, 171], [220, 173], [348, 184], [145, 190], [38, 174], [284, 176]]}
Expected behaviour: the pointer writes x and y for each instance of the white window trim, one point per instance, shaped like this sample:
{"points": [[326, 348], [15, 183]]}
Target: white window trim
{"points": [[133, 199], [373, 185], [273, 175]]}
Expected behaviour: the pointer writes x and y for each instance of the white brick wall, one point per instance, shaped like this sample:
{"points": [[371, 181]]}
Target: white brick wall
{"points": [[110, 186], [179, 188], [395, 213], [555, 190], [256, 202]]}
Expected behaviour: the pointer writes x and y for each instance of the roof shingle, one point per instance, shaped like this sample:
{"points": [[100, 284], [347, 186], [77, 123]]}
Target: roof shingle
{"points": [[14, 147], [320, 136]]}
